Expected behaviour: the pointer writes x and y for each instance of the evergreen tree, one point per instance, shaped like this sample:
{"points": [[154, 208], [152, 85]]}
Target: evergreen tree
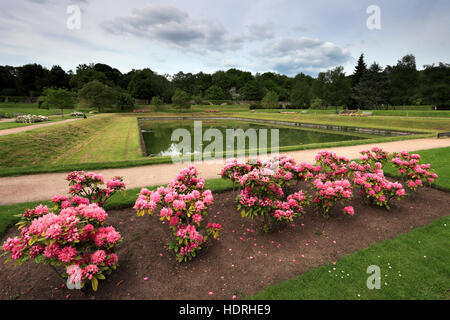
{"points": [[360, 70], [373, 89]]}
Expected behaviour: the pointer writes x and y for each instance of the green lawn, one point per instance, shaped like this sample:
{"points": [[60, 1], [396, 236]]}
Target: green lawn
{"points": [[414, 265], [101, 138], [27, 108]]}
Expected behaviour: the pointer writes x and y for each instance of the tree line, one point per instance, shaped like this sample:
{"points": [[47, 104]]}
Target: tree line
{"points": [[369, 87]]}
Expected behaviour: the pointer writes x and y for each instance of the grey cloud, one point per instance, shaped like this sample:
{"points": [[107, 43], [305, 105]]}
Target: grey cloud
{"points": [[291, 56], [172, 26], [261, 31]]}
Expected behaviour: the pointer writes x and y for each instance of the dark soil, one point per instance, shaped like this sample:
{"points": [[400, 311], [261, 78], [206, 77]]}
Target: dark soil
{"points": [[242, 262]]}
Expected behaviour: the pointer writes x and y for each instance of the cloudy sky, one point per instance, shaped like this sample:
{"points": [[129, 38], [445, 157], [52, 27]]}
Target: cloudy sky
{"points": [[284, 36]]}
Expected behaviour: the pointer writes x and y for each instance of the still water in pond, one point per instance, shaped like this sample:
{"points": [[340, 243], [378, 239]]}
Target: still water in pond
{"points": [[158, 135]]}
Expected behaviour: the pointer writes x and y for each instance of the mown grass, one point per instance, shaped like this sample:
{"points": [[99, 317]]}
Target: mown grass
{"points": [[414, 265], [104, 137], [54, 118], [12, 125], [379, 122]]}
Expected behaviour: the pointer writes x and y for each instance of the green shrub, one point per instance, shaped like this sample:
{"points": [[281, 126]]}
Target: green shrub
{"points": [[318, 103], [181, 100], [270, 101], [125, 101]]}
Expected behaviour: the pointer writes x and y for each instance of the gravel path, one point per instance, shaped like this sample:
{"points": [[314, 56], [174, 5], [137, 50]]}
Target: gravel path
{"points": [[5, 132], [44, 186]]}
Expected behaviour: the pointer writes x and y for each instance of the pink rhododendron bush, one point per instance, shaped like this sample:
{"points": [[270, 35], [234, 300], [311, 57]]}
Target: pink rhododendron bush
{"points": [[414, 173], [184, 204], [265, 185], [74, 234], [264, 194]]}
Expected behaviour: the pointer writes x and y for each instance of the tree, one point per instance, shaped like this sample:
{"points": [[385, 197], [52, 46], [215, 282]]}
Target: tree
{"points": [[145, 84], [31, 80], [337, 88], [404, 80], [157, 102], [319, 86], [360, 70], [58, 99], [87, 73], [250, 91], [8, 76], [373, 89], [436, 84], [270, 100], [214, 93], [318, 103], [97, 95], [112, 74], [300, 94], [125, 101], [181, 99], [58, 78]]}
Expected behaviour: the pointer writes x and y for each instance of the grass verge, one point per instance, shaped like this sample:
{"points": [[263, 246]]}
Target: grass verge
{"points": [[413, 266]]}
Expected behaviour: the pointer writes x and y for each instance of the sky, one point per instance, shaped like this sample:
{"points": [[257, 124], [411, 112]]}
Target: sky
{"points": [[283, 36]]}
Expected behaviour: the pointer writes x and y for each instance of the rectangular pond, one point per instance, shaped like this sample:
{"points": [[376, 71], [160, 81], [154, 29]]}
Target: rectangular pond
{"points": [[158, 139]]}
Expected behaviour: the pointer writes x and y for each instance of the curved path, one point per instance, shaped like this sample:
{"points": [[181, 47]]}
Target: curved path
{"points": [[5, 132], [44, 186]]}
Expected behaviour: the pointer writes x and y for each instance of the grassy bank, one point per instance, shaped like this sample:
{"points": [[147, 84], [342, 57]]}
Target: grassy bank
{"points": [[97, 139]]}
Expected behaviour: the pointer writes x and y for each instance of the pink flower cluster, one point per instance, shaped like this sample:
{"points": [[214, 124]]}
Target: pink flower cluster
{"points": [[376, 154], [88, 186], [73, 235], [376, 188], [263, 194], [234, 169], [329, 193], [332, 166], [412, 171], [69, 238], [184, 204]]}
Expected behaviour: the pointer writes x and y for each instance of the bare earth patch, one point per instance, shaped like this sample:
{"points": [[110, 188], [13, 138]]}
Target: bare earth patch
{"points": [[244, 261]]}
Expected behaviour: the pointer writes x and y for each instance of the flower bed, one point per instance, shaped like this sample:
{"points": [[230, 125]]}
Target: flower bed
{"points": [[30, 118], [265, 184], [73, 234], [77, 114], [184, 204]]}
